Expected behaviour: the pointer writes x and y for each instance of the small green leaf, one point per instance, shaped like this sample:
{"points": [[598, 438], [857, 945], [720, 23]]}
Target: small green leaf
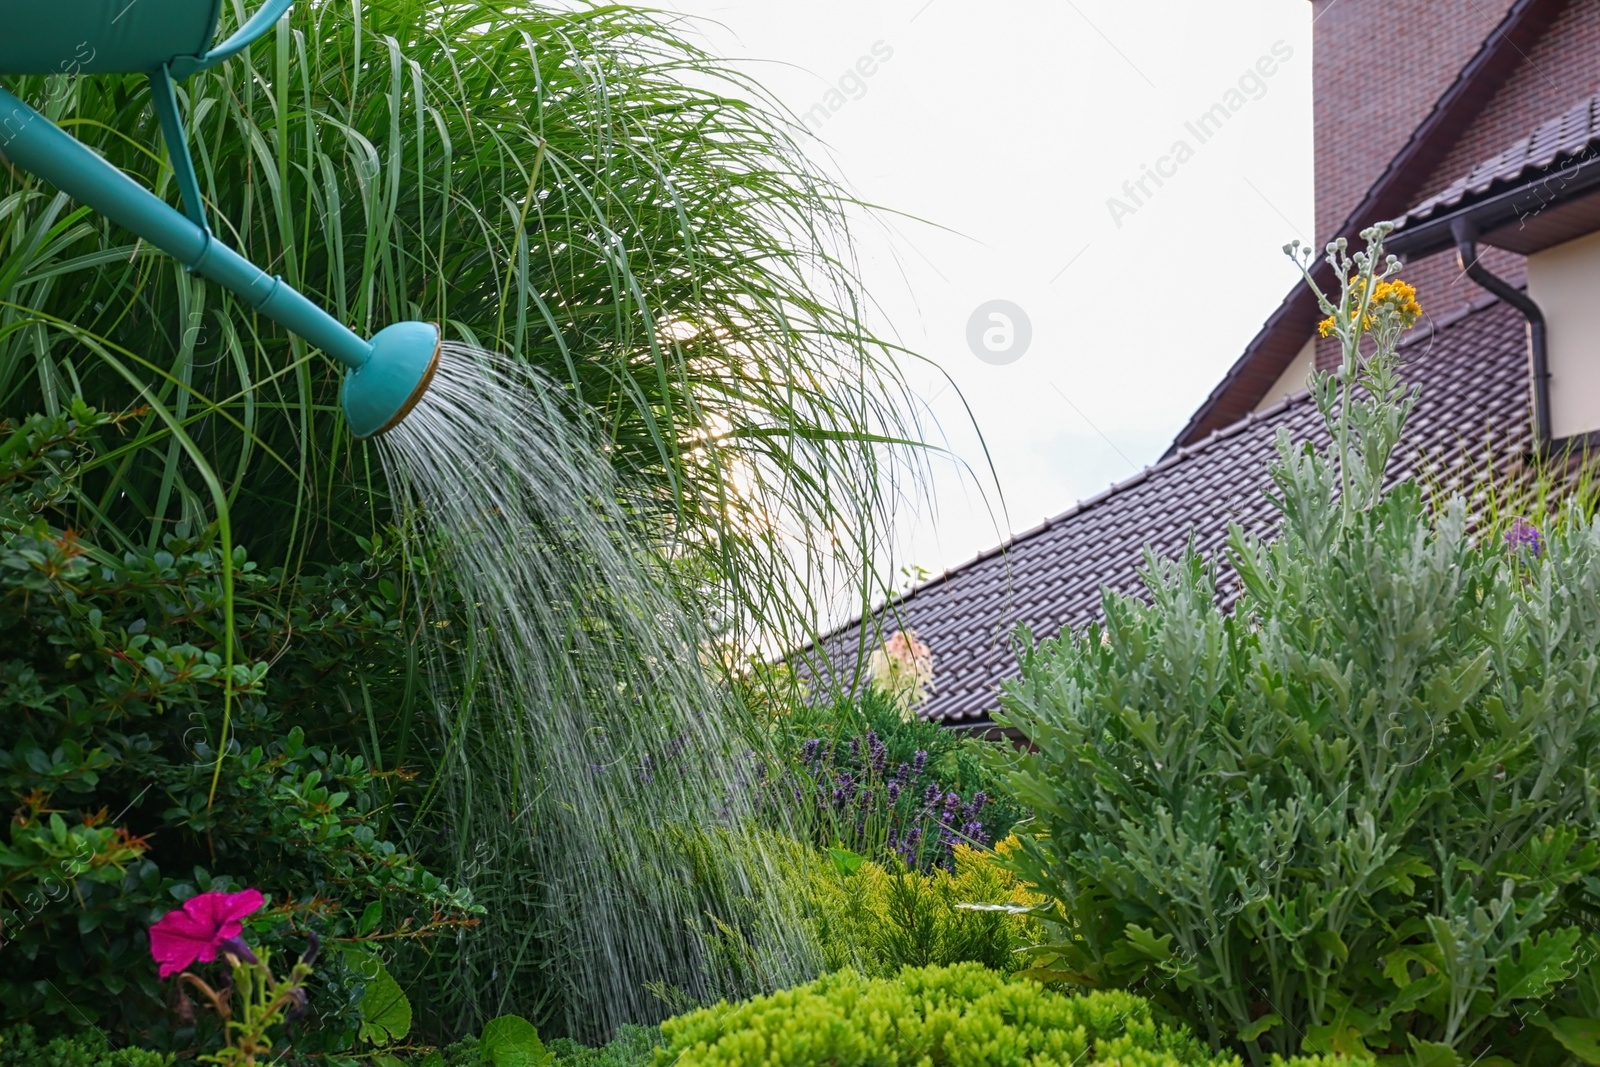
{"points": [[1147, 943], [1401, 872], [1432, 1054], [1260, 1026], [370, 918], [1581, 1037], [1541, 965], [1344, 1040], [1333, 944], [385, 1011], [512, 1041], [845, 861]]}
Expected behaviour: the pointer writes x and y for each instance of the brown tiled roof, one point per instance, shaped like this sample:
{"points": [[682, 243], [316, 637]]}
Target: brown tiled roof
{"points": [[1558, 141], [1473, 375]]}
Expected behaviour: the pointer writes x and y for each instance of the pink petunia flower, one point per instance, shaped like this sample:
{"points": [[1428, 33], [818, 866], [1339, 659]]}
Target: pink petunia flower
{"points": [[198, 929]]}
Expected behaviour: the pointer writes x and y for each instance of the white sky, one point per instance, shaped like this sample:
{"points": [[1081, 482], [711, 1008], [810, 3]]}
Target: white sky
{"points": [[1011, 123]]}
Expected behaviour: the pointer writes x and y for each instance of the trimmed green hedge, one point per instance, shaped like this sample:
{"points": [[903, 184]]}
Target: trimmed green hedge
{"points": [[21, 1047], [959, 1016]]}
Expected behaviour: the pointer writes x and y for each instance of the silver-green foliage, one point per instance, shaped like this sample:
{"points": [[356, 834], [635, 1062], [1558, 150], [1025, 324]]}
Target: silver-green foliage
{"points": [[1356, 811]]}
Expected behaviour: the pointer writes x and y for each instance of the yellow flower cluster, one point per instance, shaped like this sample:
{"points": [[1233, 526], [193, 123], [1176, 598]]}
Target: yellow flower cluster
{"points": [[1398, 298]]}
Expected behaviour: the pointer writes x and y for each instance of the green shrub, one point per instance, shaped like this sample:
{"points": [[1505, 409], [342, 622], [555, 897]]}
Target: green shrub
{"points": [[1359, 807], [960, 1016], [879, 919], [112, 677], [512, 1041], [634, 1046], [21, 1047]]}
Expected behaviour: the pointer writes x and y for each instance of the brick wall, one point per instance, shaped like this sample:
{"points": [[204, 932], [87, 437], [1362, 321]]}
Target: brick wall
{"points": [[1561, 69], [1377, 69]]}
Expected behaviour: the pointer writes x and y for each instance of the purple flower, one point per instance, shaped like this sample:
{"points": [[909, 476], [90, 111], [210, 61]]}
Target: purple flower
{"points": [[952, 804], [919, 761], [298, 1004], [908, 848], [1524, 534], [810, 749], [844, 790], [313, 947], [235, 947], [877, 752], [894, 791], [205, 925], [930, 799]]}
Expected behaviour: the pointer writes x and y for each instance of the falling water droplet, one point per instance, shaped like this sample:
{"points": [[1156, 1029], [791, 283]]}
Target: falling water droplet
{"points": [[578, 658]]}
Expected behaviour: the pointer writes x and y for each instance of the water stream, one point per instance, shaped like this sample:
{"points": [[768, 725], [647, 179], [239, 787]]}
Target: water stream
{"points": [[592, 774]]}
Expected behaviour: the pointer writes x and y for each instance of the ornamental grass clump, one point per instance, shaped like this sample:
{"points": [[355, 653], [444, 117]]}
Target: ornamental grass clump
{"points": [[1356, 811], [960, 1016]]}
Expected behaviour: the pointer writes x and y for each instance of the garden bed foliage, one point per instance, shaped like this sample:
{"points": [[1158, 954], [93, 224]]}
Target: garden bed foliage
{"points": [[112, 671], [960, 1016], [21, 1046], [1356, 809], [856, 773]]}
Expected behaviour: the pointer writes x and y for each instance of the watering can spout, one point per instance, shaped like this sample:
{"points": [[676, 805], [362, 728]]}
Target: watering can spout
{"points": [[385, 377]]}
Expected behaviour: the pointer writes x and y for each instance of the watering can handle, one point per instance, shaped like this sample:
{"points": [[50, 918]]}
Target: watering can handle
{"points": [[166, 104], [259, 23]]}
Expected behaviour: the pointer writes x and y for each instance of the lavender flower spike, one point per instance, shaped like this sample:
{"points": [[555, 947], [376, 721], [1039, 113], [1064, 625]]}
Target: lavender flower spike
{"points": [[1524, 534]]}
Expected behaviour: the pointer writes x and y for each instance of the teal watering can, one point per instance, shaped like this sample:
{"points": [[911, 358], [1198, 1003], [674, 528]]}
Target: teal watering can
{"points": [[169, 40]]}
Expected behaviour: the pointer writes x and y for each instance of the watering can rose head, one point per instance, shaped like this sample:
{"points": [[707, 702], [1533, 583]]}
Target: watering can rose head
{"points": [[205, 925]]}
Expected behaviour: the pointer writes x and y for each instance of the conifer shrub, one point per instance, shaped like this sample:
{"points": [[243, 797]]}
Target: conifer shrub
{"points": [[959, 1016], [1356, 810], [20, 1046], [633, 1046], [878, 919]]}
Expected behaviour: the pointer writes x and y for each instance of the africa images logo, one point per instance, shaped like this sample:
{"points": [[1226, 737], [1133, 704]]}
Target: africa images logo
{"points": [[999, 332], [1252, 85], [850, 85]]}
